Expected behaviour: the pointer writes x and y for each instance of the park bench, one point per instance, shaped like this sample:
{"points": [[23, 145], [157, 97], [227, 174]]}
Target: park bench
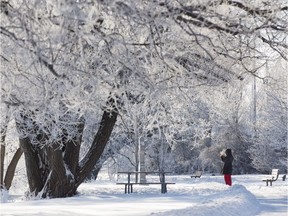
{"points": [[129, 185], [273, 177], [197, 174]]}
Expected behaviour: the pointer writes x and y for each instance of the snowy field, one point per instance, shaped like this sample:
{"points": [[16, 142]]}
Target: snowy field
{"points": [[205, 196]]}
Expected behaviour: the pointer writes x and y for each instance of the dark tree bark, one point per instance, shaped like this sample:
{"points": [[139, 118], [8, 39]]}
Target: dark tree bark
{"points": [[32, 163], [2, 157], [10, 172], [54, 170], [93, 155], [2, 153], [61, 181], [9, 176]]}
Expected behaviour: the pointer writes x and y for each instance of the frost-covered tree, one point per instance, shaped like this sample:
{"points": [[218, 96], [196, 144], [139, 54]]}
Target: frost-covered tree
{"points": [[66, 62], [269, 149], [233, 126]]}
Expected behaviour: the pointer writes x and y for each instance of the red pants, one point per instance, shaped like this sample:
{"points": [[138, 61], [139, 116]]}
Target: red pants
{"points": [[228, 179]]}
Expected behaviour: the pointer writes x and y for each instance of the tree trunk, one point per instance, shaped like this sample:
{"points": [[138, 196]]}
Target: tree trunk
{"points": [[72, 150], [32, 162], [2, 153], [2, 157], [54, 170], [51, 169], [100, 141], [10, 172], [61, 181], [11, 168]]}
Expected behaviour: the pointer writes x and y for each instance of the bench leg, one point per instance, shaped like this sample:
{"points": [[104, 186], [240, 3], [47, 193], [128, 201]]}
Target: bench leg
{"points": [[128, 188], [131, 188], [163, 188], [266, 182]]}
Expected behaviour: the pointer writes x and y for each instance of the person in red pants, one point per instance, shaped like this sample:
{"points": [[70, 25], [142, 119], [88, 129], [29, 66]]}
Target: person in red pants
{"points": [[227, 158]]}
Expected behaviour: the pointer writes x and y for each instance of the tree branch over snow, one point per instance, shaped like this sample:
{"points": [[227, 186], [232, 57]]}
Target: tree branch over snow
{"points": [[6, 8], [22, 43], [251, 11], [199, 20], [194, 15]]}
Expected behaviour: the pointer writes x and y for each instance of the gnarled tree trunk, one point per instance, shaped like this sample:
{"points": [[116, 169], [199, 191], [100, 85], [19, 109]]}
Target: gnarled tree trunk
{"points": [[55, 170]]}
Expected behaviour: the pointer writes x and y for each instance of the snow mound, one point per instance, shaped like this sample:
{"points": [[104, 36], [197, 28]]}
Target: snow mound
{"points": [[235, 200]]}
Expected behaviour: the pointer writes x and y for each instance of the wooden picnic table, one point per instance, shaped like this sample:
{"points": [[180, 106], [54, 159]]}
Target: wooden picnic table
{"points": [[129, 184]]}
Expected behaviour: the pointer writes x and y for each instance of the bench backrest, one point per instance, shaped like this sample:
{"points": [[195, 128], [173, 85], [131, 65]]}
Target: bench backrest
{"points": [[275, 174], [198, 173]]}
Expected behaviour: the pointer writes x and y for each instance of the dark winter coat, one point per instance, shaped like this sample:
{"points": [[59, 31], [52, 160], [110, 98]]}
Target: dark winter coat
{"points": [[228, 159]]}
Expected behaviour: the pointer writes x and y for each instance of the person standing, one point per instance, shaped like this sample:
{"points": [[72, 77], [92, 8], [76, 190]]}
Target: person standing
{"points": [[227, 158]]}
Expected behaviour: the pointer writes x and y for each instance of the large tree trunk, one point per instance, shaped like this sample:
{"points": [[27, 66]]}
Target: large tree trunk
{"points": [[100, 141], [61, 181], [54, 170], [51, 170], [33, 166]]}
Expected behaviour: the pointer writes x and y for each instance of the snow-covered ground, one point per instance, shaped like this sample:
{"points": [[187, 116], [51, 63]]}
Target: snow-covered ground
{"points": [[205, 196]]}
